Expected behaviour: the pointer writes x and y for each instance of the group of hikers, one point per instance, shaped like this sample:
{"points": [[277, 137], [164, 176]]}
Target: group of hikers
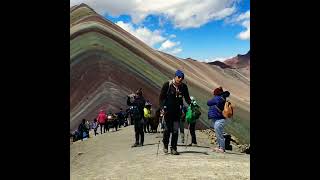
{"points": [[170, 116], [174, 113], [104, 121]]}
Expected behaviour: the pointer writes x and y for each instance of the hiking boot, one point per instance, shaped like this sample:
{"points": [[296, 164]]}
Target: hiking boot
{"points": [[165, 150], [192, 144], [174, 152], [135, 145]]}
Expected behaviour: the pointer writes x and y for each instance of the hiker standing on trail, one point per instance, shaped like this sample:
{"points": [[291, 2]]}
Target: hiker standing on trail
{"points": [[192, 115], [216, 106], [120, 117], [102, 120], [171, 101], [95, 126], [137, 104], [147, 117]]}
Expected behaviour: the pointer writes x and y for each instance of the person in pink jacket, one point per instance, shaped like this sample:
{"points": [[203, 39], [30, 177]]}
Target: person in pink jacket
{"points": [[102, 119]]}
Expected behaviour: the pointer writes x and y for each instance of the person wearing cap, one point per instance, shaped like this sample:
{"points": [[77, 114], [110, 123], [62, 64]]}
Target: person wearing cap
{"points": [[171, 100], [137, 103], [216, 106]]}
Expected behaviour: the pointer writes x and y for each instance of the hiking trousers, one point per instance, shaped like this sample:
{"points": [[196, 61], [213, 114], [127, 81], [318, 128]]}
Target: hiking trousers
{"points": [[171, 126], [102, 126], [146, 125], [138, 129]]}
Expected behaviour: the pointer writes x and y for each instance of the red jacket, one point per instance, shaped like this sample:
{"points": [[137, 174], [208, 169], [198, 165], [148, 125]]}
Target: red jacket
{"points": [[101, 117]]}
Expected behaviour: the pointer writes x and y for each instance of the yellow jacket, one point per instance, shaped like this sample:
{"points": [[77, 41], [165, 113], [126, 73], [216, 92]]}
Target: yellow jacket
{"points": [[147, 113]]}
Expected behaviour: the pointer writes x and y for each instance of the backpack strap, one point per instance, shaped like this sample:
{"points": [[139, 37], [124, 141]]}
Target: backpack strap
{"points": [[217, 108], [223, 105]]}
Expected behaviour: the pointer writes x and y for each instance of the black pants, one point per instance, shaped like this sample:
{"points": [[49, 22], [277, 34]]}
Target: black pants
{"points": [[193, 133], [138, 129], [146, 125], [106, 126], [116, 124], [102, 126], [95, 132], [171, 125]]}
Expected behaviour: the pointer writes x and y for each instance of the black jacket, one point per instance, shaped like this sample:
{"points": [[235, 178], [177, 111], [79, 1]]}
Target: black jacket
{"points": [[172, 99], [139, 101]]}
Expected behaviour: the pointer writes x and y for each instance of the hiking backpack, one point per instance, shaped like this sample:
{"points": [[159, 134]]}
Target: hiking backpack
{"points": [[227, 110], [196, 112], [193, 113]]}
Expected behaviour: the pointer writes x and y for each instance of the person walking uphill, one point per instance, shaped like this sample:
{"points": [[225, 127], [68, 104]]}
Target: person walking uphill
{"points": [[138, 103], [171, 101], [101, 119], [216, 106]]}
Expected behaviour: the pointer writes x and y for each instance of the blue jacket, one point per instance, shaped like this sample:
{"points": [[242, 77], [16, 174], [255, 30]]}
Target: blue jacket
{"points": [[219, 101]]}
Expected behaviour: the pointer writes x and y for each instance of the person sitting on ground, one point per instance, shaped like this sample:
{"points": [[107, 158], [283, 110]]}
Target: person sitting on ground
{"points": [[83, 129]]}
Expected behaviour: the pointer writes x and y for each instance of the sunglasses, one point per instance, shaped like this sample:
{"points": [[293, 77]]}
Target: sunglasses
{"points": [[180, 77]]}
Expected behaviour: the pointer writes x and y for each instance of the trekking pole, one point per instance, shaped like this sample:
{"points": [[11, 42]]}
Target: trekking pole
{"points": [[187, 135], [158, 147]]}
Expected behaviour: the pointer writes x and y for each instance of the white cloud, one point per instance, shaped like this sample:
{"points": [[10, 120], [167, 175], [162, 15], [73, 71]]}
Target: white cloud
{"points": [[182, 13], [144, 34], [168, 45], [214, 59], [243, 20], [152, 38], [245, 35], [175, 51]]}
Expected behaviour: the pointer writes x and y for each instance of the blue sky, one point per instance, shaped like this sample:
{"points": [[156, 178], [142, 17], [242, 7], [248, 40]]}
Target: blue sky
{"points": [[204, 30]]}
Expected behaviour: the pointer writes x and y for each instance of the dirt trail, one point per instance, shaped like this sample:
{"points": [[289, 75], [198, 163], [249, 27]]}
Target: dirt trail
{"points": [[110, 156]]}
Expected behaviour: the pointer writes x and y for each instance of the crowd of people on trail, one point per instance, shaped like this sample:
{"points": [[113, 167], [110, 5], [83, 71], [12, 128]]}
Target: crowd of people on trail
{"points": [[172, 116], [103, 120]]}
